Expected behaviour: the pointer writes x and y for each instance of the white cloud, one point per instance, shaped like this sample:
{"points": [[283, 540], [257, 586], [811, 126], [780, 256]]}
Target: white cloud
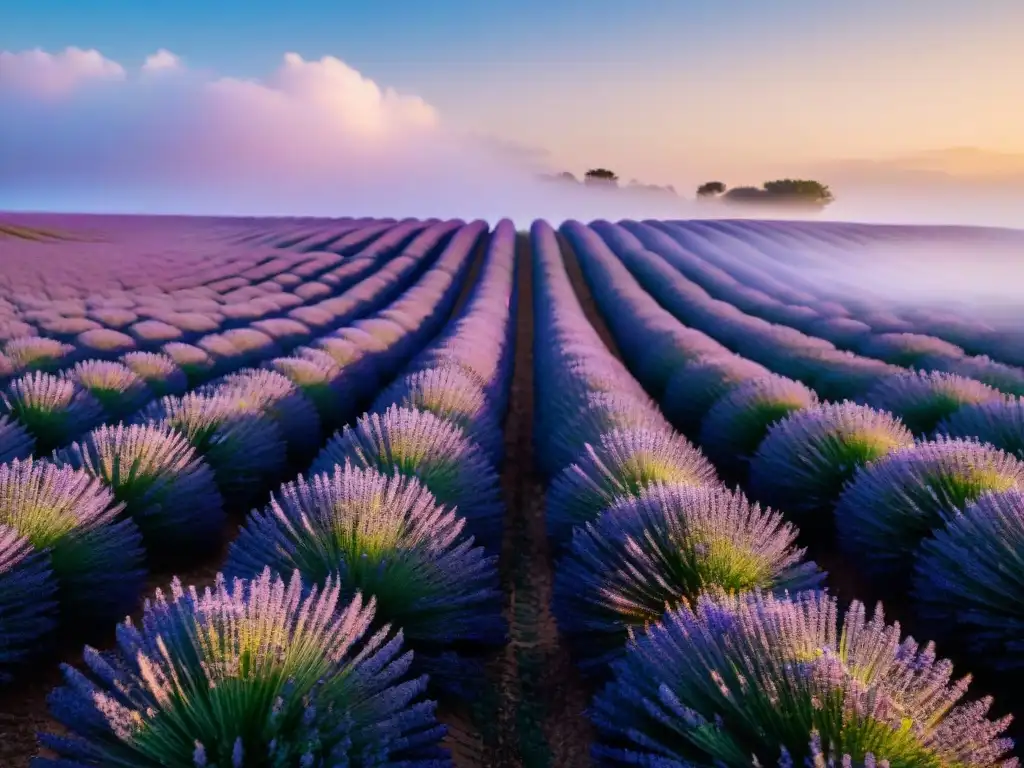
{"points": [[39, 72], [161, 61]]}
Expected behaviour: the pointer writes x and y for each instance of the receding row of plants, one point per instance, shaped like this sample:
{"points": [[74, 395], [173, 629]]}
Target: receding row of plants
{"points": [[751, 662]]}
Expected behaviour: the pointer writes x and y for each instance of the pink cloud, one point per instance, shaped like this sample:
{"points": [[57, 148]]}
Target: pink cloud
{"points": [[161, 61], [46, 74]]}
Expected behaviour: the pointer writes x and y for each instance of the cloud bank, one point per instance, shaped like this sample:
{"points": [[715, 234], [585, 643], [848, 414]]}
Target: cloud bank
{"points": [[82, 133]]}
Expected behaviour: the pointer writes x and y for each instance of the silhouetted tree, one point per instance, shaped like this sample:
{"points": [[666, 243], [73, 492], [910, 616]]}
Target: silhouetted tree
{"points": [[566, 176], [711, 189], [800, 191], [600, 176]]}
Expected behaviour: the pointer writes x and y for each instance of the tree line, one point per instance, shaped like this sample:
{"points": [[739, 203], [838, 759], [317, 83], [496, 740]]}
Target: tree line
{"points": [[805, 193]]}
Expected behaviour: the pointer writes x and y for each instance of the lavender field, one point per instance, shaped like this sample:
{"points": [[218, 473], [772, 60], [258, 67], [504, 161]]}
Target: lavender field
{"points": [[375, 492]]}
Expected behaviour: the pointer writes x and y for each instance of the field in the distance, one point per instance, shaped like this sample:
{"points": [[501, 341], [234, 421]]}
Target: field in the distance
{"points": [[753, 425]]}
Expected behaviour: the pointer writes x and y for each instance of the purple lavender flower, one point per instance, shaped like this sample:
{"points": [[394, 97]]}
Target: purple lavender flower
{"points": [[320, 381], [892, 504], [104, 342], [421, 445], [52, 409], [34, 353], [245, 450], [737, 423], [161, 374], [760, 680], [165, 487], [576, 423], [116, 386], [266, 392], [968, 579], [663, 549], [16, 442], [453, 396], [997, 422], [922, 399], [804, 461], [28, 600], [622, 464], [387, 538], [193, 361], [256, 672], [97, 558], [694, 387]]}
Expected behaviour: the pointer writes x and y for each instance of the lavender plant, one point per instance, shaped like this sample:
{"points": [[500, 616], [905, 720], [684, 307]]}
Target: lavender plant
{"points": [[663, 549], [164, 485], [114, 385], [804, 461], [968, 579], [451, 395], [97, 558], [252, 673], [385, 537], [583, 421], [622, 464], [161, 374], [261, 391], [28, 600], [922, 399], [52, 409], [762, 680], [737, 423], [421, 445], [35, 353], [891, 505], [245, 450]]}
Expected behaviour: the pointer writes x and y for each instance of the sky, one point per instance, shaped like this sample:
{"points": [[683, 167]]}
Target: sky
{"points": [[666, 91]]}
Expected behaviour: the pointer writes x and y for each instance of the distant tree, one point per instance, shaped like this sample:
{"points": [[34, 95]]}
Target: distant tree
{"points": [[566, 176], [711, 189], [601, 176], [804, 191]]}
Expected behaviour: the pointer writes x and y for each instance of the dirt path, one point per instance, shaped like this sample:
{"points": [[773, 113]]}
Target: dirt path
{"points": [[540, 715]]}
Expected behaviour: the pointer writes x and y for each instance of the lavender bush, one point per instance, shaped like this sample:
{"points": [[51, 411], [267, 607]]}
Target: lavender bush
{"points": [[419, 444], [763, 680], [804, 461], [622, 464], [664, 549], [164, 485], [891, 505], [251, 673], [922, 399], [52, 409], [387, 538]]}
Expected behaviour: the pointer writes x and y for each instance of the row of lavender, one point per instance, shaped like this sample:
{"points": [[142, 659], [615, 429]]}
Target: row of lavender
{"points": [[252, 319], [737, 670], [742, 279], [792, 263], [921, 399], [908, 511], [56, 408], [241, 426]]}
